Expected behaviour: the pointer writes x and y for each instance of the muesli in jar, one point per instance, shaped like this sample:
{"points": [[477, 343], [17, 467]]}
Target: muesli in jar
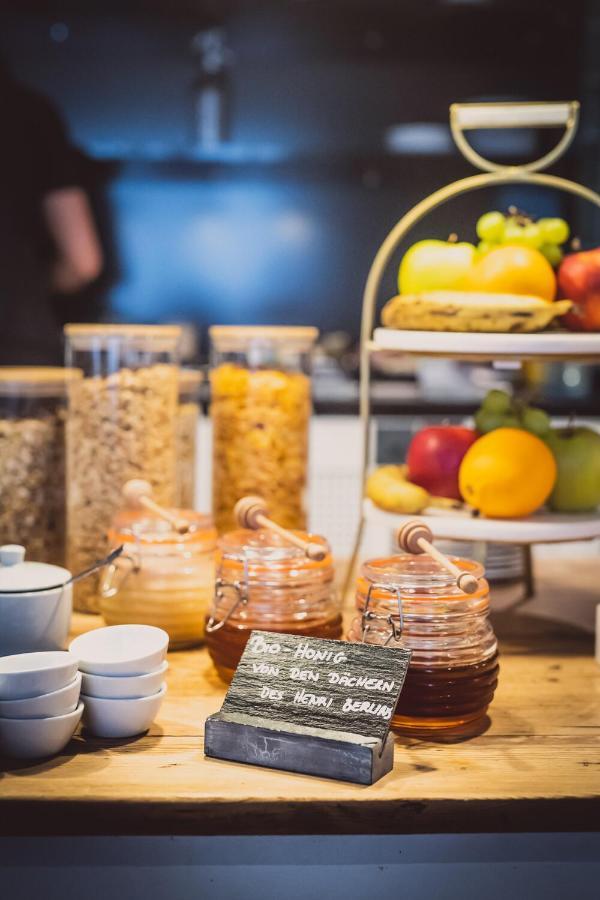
{"points": [[121, 425], [32, 459]]}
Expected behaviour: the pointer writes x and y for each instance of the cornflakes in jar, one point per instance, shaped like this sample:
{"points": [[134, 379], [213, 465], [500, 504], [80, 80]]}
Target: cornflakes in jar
{"points": [[260, 409]]}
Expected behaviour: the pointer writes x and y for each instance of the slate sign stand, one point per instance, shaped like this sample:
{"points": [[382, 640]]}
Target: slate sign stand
{"points": [[311, 705]]}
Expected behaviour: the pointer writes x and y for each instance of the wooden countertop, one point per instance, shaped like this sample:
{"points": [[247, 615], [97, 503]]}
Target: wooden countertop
{"points": [[536, 768]]}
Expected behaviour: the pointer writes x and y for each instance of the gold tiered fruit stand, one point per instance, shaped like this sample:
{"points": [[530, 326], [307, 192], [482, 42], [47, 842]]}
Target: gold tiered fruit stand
{"points": [[542, 527]]}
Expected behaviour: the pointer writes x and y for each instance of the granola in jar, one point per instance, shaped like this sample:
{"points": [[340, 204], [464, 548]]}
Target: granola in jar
{"points": [[120, 426], [32, 460]]}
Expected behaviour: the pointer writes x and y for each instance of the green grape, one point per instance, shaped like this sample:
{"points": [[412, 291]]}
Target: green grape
{"points": [[511, 422], [484, 247], [554, 231], [535, 420], [498, 402], [490, 227], [553, 254], [486, 421], [512, 233], [528, 235]]}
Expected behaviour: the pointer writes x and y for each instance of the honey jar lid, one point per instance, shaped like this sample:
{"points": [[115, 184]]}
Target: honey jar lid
{"points": [[148, 529], [36, 381], [417, 575], [265, 550]]}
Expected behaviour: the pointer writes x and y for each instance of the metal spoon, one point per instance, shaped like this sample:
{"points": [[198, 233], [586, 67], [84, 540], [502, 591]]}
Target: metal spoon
{"points": [[99, 564]]}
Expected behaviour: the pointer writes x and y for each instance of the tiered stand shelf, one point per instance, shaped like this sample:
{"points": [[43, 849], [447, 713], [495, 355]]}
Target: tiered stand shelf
{"points": [[551, 346]]}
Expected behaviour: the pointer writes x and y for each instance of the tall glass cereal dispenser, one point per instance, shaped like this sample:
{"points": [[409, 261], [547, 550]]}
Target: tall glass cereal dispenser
{"points": [[32, 459], [122, 424], [414, 602], [260, 408]]}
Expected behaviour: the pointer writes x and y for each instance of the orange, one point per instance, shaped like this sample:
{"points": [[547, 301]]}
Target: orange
{"points": [[507, 473], [513, 270]]}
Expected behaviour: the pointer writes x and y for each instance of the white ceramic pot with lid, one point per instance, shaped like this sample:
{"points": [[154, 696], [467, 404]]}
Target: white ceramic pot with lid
{"points": [[35, 603]]}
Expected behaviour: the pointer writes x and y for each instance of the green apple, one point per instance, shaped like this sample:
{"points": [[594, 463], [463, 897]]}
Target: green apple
{"points": [[434, 266], [577, 454]]}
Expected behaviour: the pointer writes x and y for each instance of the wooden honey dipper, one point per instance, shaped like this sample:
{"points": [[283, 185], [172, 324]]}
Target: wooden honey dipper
{"points": [[252, 512], [415, 537], [138, 494]]}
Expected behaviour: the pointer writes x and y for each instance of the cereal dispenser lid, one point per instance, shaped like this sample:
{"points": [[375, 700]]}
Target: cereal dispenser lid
{"points": [[122, 329], [36, 381], [235, 337], [20, 577], [156, 338]]}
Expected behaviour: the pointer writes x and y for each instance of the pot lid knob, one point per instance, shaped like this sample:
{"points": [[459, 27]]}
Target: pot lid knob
{"points": [[11, 554]]}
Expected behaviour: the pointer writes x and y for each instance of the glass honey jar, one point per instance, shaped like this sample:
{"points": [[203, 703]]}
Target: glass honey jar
{"points": [[163, 577], [264, 582], [412, 602]]}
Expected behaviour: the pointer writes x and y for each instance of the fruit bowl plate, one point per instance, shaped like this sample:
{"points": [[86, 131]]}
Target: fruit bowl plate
{"points": [[541, 528], [550, 345]]}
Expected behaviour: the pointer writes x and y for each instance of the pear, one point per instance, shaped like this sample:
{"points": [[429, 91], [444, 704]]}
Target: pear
{"points": [[577, 454]]}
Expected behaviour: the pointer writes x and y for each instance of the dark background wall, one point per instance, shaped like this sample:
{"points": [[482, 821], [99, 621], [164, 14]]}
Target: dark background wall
{"points": [[336, 124]]}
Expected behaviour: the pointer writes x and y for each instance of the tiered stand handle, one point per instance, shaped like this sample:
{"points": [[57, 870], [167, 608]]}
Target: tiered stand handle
{"points": [[464, 117]]}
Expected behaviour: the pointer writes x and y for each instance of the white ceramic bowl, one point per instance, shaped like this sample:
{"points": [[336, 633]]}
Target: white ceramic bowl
{"points": [[124, 687], [31, 674], [121, 650], [38, 738], [57, 703], [121, 718]]}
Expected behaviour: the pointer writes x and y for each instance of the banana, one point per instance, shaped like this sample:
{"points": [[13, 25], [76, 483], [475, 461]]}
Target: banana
{"points": [[466, 311], [388, 488], [445, 503]]}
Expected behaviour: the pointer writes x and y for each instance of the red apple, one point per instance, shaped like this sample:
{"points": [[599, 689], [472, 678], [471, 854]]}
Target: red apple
{"points": [[579, 281], [434, 457]]}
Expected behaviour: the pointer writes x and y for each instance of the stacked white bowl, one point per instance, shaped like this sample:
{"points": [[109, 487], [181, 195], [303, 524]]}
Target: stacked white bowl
{"points": [[39, 703], [123, 669]]}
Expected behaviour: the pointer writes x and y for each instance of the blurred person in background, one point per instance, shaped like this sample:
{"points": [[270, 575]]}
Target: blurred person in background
{"points": [[48, 239]]}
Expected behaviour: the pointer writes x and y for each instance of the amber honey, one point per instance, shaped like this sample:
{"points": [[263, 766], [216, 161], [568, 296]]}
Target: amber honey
{"points": [[267, 584], [227, 645], [163, 578], [410, 602], [445, 697]]}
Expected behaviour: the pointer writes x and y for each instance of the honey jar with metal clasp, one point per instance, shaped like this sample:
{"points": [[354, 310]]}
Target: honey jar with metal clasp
{"points": [[413, 602], [264, 582]]}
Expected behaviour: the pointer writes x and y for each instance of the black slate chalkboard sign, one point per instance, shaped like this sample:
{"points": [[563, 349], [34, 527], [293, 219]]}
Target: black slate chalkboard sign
{"points": [[311, 705]]}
